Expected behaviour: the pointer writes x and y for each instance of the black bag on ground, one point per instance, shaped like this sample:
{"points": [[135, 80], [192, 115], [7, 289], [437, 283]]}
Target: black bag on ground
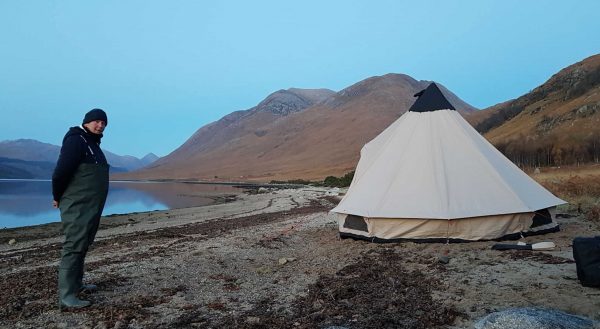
{"points": [[586, 252]]}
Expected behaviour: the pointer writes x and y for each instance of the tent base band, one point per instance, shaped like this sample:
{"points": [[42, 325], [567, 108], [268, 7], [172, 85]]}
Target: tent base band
{"points": [[513, 236]]}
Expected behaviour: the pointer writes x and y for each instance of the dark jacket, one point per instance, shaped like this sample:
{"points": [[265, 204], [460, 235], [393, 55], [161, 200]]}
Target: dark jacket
{"points": [[78, 146]]}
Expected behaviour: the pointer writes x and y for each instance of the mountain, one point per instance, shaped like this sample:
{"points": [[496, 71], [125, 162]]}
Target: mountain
{"points": [[29, 150], [123, 163], [14, 168], [293, 133], [237, 125], [149, 158], [554, 124], [29, 158]]}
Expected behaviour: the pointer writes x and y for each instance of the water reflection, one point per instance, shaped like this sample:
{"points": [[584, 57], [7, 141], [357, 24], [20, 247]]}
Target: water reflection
{"points": [[28, 202]]}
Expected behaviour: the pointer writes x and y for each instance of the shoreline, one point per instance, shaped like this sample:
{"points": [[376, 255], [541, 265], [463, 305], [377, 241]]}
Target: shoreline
{"points": [[184, 181], [53, 229], [219, 198]]}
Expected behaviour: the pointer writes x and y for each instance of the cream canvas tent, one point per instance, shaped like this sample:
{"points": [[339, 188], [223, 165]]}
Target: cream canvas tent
{"points": [[431, 176]]}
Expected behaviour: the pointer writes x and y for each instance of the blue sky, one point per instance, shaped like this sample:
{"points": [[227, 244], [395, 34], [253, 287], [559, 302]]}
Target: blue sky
{"points": [[163, 69]]}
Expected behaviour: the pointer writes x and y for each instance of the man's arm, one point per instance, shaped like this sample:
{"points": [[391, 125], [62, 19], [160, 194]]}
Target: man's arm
{"points": [[68, 161]]}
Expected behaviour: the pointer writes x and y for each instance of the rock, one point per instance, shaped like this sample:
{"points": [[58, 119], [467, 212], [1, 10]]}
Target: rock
{"points": [[587, 110], [100, 325], [318, 304], [119, 325], [262, 190], [285, 260], [534, 318], [263, 270], [444, 259], [12, 242], [333, 192], [252, 320]]}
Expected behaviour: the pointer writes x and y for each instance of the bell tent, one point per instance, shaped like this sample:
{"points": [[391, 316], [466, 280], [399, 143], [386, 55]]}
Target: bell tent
{"points": [[430, 176]]}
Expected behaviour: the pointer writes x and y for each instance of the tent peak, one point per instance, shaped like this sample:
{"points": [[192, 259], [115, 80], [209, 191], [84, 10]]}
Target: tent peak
{"points": [[431, 99]]}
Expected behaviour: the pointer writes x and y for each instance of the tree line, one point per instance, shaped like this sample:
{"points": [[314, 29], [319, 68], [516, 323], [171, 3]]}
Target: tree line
{"points": [[549, 151]]}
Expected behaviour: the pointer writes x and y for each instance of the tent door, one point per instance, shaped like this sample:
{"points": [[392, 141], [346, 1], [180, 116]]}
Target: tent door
{"points": [[356, 223]]}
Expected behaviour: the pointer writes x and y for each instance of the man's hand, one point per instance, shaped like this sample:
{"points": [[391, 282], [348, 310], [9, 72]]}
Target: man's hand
{"points": [[54, 204]]}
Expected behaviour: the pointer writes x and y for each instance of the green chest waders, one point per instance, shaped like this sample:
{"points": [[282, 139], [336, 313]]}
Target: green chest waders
{"points": [[80, 210]]}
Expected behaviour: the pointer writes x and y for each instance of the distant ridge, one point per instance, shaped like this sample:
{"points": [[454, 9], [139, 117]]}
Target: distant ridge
{"points": [[22, 169], [29, 158], [149, 158], [29, 150]]}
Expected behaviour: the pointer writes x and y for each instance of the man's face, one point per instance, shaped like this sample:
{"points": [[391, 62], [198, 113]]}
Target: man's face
{"points": [[96, 126]]}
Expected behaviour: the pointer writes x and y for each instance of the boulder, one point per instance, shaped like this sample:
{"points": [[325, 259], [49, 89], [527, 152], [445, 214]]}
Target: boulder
{"points": [[534, 318]]}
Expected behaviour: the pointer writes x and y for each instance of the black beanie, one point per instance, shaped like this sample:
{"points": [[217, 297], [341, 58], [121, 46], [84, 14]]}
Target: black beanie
{"points": [[95, 114]]}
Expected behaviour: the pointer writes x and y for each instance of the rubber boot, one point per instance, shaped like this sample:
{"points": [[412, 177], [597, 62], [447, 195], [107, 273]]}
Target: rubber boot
{"points": [[85, 287], [68, 287], [88, 287]]}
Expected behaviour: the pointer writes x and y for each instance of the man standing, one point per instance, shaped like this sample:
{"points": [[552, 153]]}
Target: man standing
{"points": [[79, 188]]}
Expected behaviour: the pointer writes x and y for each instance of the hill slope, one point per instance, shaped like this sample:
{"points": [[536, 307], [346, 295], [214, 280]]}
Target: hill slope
{"points": [[556, 123]]}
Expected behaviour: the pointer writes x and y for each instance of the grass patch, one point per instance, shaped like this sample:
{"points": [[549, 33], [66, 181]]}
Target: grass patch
{"points": [[580, 186]]}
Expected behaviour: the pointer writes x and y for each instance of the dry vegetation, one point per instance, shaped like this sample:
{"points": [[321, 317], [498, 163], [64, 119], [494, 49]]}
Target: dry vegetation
{"points": [[580, 186]]}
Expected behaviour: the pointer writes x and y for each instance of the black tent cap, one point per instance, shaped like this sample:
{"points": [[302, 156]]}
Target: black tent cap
{"points": [[431, 99]]}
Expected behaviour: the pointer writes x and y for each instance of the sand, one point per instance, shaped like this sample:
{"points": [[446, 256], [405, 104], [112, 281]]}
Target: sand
{"points": [[274, 260]]}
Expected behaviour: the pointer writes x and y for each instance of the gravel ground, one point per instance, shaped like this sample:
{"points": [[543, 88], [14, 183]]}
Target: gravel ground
{"points": [[274, 260]]}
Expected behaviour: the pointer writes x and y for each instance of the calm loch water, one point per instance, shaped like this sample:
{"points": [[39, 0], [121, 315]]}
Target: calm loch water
{"points": [[29, 202]]}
